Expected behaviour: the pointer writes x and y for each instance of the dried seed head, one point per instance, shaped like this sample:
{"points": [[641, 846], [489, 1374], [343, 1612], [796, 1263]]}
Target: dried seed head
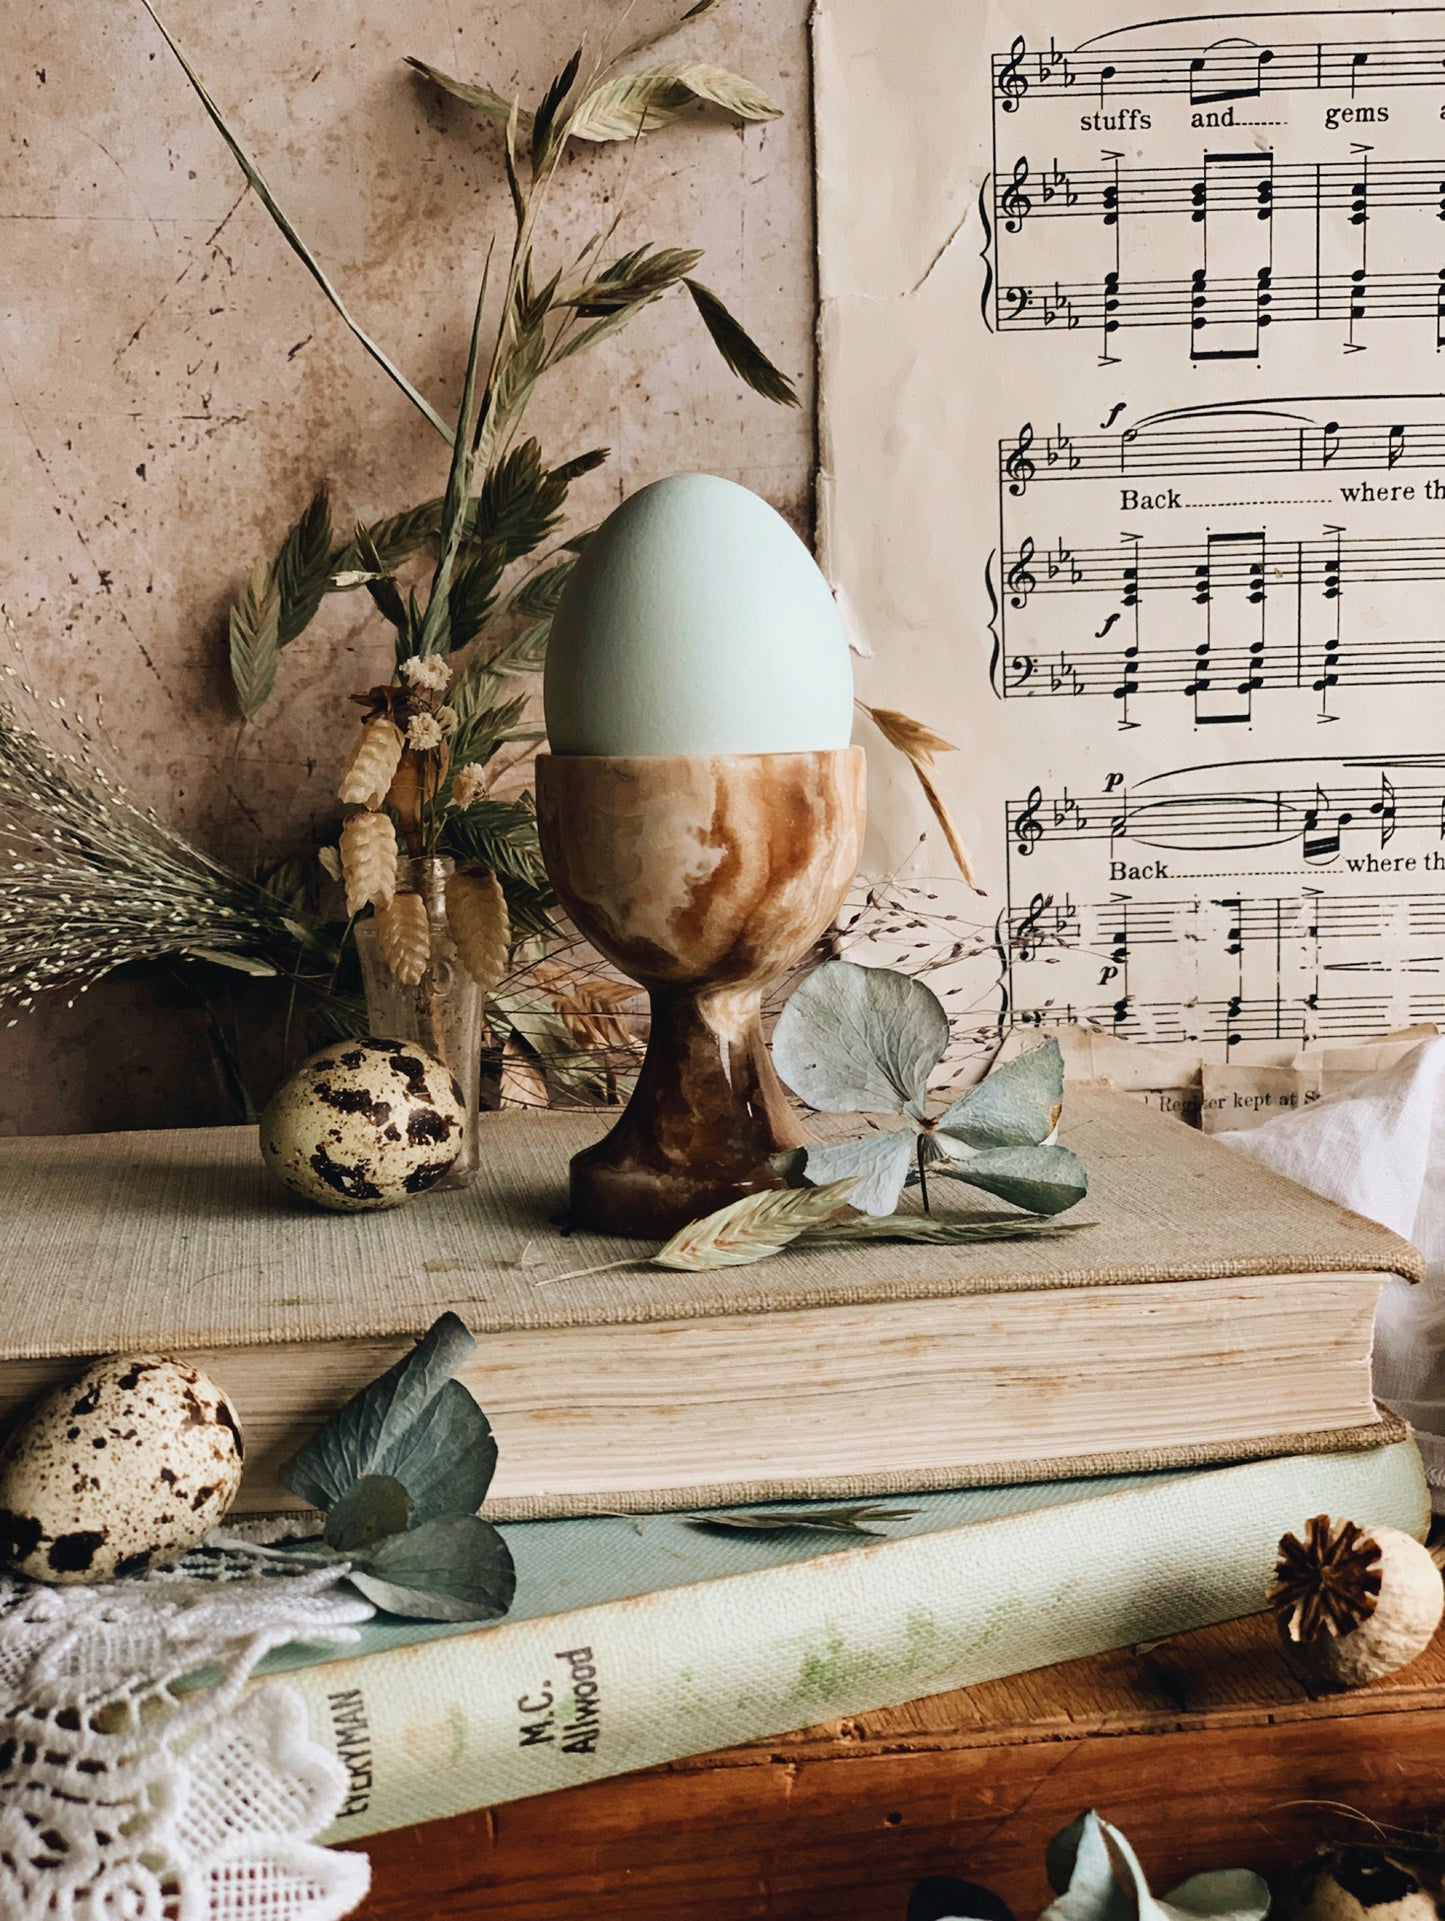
{"points": [[404, 935], [371, 763], [479, 924], [368, 860], [1352, 1606]]}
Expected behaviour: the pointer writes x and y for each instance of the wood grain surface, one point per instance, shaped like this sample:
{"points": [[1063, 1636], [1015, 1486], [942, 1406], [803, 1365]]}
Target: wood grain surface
{"points": [[1206, 1750]]}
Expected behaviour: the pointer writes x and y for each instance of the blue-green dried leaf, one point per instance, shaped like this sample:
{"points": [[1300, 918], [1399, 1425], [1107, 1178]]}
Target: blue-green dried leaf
{"points": [[1045, 1180], [860, 1039], [1017, 1105], [372, 1508], [454, 1568], [1096, 1876], [393, 1425], [878, 1164]]}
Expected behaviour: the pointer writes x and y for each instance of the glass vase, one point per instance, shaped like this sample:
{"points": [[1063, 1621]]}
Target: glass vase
{"points": [[442, 1013]]}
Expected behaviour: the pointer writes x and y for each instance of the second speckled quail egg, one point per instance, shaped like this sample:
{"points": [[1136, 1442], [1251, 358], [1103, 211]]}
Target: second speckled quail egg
{"points": [[132, 1463]]}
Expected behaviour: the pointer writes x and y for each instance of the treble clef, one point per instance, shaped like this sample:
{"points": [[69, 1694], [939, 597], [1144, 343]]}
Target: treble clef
{"points": [[1012, 82], [1018, 468], [1014, 204], [1027, 827], [1019, 581], [1028, 935]]}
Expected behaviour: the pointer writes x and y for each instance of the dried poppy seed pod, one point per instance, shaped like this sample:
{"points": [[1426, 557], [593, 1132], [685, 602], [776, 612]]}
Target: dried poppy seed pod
{"points": [[1352, 1606], [1366, 1884], [371, 763]]}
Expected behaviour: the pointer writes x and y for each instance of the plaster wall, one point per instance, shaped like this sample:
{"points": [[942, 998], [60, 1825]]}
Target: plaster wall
{"points": [[172, 385]]}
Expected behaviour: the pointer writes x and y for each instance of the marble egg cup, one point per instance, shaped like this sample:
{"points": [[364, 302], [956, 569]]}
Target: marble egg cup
{"points": [[703, 878]]}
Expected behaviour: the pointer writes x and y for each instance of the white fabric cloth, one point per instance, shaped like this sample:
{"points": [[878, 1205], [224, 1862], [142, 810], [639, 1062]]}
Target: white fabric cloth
{"points": [[126, 1798], [1378, 1147]]}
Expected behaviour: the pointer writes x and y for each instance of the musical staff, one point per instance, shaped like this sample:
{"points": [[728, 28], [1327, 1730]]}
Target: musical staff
{"points": [[1214, 307], [1244, 443], [1232, 70], [1112, 194]]}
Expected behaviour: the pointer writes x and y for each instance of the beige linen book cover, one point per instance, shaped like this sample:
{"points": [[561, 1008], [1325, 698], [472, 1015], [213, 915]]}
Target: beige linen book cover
{"points": [[1210, 1310]]}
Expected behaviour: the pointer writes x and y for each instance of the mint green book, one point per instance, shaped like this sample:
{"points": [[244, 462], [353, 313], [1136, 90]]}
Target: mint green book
{"points": [[638, 1639]]}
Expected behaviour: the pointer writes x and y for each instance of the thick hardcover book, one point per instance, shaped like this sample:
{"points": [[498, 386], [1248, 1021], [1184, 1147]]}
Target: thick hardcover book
{"points": [[1210, 1310], [635, 1640]]}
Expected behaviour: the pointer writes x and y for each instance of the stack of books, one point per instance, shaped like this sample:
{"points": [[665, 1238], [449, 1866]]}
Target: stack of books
{"points": [[1100, 1435]]}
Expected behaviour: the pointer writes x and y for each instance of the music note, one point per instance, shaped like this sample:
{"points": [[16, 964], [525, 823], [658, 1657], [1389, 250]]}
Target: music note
{"points": [[1014, 203], [1395, 446], [1384, 808]]}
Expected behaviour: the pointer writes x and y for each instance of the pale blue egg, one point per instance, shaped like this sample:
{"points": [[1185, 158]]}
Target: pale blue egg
{"points": [[696, 622]]}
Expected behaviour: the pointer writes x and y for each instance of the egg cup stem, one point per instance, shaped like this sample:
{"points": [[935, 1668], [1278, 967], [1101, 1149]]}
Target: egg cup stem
{"points": [[704, 878]]}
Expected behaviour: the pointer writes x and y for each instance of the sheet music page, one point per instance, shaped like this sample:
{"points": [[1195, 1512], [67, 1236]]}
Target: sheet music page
{"points": [[1133, 482]]}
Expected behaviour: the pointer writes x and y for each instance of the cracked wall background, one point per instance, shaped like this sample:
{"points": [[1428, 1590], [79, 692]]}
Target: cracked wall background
{"points": [[172, 385]]}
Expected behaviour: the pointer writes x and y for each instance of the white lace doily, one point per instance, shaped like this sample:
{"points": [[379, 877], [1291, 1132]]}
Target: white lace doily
{"points": [[124, 1797]]}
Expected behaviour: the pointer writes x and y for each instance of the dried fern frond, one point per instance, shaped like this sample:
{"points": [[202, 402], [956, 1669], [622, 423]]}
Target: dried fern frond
{"points": [[368, 860], [919, 744], [479, 924], [372, 763], [404, 934]]}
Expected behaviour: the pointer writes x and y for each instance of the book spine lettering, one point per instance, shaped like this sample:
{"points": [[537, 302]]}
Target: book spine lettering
{"points": [[524, 1707]]}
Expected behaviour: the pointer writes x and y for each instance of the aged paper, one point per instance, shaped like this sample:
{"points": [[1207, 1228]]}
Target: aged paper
{"points": [[1133, 485]]}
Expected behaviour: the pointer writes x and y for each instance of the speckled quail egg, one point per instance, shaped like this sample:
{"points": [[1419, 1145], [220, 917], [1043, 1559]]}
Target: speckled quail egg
{"points": [[132, 1463], [364, 1124]]}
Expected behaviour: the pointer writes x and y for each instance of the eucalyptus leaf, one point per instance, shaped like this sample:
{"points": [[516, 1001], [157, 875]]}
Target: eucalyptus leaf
{"points": [[877, 1163], [454, 1568], [1017, 1105], [1045, 1180], [394, 1426], [828, 1520], [860, 1039], [1097, 1876], [372, 1508], [292, 238]]}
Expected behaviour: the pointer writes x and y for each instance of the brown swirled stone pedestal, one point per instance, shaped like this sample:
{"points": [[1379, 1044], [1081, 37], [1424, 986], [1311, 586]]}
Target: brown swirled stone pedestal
{"points": [[704, 878]]}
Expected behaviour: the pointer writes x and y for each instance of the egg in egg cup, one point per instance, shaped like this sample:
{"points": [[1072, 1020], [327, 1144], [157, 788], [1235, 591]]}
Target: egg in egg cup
{"points": [[701, 817]]}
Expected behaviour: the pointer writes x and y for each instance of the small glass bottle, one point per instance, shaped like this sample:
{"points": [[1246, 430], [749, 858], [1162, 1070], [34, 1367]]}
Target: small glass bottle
{"points": [[443, 1011]]}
